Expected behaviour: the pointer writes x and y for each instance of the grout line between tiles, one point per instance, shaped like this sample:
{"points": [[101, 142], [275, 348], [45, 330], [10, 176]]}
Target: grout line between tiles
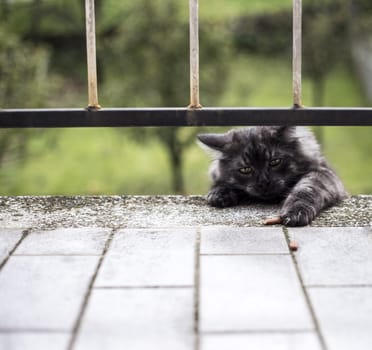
{"points": [[258, 331], [305, 293], [34, 330], [243, 254], [57, 254], [144, 287], [336, 286], [79, 319], [11, 252]]}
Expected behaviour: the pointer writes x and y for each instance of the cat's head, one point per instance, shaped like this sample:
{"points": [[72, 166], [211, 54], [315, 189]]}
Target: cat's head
{"points": [[265, 162]]}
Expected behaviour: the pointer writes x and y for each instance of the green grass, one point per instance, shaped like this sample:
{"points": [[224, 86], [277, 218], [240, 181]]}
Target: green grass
{"points": [[91, 161], [349, 151]]}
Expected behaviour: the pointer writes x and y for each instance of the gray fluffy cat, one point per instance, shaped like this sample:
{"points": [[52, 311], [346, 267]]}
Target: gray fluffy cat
{"points": [[272, 164]]}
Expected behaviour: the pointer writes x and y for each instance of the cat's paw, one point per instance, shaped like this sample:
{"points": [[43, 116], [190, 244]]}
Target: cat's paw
{"points": [[298, 216], [222, 197]]}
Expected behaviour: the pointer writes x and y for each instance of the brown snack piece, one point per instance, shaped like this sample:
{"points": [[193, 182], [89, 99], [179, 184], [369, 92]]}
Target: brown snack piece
{"points": [[293, 246], [273, 221]]}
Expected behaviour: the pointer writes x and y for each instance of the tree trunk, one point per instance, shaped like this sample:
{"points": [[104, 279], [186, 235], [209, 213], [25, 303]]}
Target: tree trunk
{"points": [[318, 101], [177, 177], [169, 137], [35, 16], [4, 10], [318, 91]]}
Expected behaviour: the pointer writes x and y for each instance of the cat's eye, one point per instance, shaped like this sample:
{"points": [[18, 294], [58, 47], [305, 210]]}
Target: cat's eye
{"points": [[246, 170], [275, 162]]}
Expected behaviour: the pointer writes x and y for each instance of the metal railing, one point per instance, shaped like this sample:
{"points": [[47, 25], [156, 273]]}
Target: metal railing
{"points": [[194, 114]]}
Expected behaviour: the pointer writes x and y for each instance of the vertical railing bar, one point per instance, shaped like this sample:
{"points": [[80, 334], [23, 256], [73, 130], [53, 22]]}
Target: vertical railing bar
{"points": [[194, 54], [91, 55], [297, 53]]}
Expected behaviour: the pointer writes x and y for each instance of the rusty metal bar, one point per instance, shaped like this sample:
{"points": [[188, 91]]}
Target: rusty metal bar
{"points": [[194, 54], [297, 53], [91, 55], [163, 117]]}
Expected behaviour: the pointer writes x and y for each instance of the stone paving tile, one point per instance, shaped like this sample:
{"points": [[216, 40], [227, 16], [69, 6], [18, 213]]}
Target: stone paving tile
{"points": [[43, 292], [36, 341], [8, 240], [253, 292], [261, 341], [334, 256], [345, 316], [138, 319], [160, 257], [238, 240], [65, 241]]}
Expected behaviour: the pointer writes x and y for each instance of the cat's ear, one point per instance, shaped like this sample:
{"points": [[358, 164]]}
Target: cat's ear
{"points": [[216, 142], [283, 131]]}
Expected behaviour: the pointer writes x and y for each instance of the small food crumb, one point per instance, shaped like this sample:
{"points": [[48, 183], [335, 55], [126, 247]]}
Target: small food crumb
{"points": [[293, 246], [273, 221]]}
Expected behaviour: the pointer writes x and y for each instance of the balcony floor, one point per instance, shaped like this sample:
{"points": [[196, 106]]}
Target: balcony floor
{"points": [[169, 272]]}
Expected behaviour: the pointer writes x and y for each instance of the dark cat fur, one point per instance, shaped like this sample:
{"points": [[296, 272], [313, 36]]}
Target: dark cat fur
{"points": [[281, 164]]}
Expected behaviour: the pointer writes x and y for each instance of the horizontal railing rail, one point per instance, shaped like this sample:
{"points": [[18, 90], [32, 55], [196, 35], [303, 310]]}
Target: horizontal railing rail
{"points": [[162, 117]]}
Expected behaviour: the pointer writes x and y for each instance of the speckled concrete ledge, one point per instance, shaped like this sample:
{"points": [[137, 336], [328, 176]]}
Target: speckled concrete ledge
{"points": [[157, 211]]}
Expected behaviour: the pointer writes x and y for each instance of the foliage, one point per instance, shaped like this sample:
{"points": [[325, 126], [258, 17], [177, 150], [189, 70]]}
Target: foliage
{"points": [[361, 17], [23, 73], [325, 37], [35, 17], [23, 83], [266, 33]]}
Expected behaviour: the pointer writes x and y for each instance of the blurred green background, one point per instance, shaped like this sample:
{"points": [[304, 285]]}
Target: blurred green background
{"points": [[142, 49]]}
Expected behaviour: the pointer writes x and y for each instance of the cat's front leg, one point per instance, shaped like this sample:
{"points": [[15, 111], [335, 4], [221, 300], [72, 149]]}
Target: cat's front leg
{"points": [[223, 196], [298, 213], [313, 193]]}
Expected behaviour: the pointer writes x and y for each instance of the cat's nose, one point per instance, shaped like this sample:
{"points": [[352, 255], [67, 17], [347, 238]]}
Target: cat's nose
{"points": [[263, 185]]}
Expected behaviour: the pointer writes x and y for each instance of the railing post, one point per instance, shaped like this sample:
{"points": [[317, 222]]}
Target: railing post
{"points": [[194, 54], [297, 53], [91, 55]]}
